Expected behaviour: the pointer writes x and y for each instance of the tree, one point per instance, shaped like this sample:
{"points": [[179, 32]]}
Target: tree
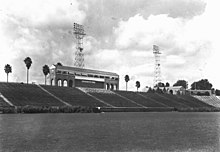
{"points": [[164, 90], [126, 80], [213, 90], [28, 63], [138, 85], [149, 90], [171, 91], [46, 71], [8, 69], [182, 83], [217, 92], [158, 90], [167, 85], [203, 84], [59, 64], [160, 84]]}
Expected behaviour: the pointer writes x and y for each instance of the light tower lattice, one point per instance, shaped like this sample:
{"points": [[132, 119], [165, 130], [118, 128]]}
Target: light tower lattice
{"points": [[157, 72], [79, 34]]}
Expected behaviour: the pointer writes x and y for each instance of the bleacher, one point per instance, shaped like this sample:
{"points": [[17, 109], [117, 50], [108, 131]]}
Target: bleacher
{"points": [[148, 102], [73, 96], [210, 100], [192, 101], [31, 94], [165, 100], [3, 103], [187, 100], [27, 94], [111, 98]]}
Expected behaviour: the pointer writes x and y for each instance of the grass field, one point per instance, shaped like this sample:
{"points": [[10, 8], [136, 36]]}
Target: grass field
{"points": [[168, 131]]}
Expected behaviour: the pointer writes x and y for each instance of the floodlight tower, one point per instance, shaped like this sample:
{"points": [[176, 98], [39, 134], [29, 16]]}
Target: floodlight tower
{"points": [[79, 34], [157, 72]]}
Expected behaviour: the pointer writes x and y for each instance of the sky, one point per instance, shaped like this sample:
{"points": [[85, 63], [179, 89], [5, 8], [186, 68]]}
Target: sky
{"points": [[119, 38]]}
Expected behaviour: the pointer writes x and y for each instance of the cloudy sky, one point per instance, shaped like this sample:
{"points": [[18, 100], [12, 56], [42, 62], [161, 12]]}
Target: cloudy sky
{"points": [[120, 35]]}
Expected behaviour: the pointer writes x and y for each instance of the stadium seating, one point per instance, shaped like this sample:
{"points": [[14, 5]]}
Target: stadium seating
{"points": [[3, 103], [211, 100], [193, 102], [111, 98], [31, 94], [73, 96], [27, 94], [165, 100], [186, 100], [148, 102]]}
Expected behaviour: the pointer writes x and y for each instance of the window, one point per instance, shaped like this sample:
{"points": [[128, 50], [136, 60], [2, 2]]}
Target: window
{"points": [[90, 75]]}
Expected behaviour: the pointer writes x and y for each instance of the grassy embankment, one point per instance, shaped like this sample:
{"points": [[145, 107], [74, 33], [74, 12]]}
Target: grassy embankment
{"points": [[81, 109]]}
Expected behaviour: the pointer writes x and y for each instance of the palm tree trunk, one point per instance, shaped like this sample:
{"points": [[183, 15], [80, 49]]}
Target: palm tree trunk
{"points": [[7, 77], [45, 80], [27, 75]]}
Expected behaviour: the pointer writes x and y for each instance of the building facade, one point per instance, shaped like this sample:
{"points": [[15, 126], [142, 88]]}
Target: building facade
{"points": [[78, 77], [176, 90]]}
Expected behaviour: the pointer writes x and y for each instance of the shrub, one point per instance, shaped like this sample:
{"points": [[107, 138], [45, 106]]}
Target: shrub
{"points": [[47, 109], [8, 110]]}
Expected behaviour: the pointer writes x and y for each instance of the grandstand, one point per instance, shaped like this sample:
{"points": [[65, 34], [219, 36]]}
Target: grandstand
{"points": [[74, 96], [210, 100], [41, 95], [3, 103], [138, 98], [111, 98], [164, 100], [27, 94]]}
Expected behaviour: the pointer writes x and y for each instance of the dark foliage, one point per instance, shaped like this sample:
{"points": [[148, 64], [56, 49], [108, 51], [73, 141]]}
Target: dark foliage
{"points": [[217, 92], [126, 80], [158, 90], [28, 62], [182, 83], [138, 85], [164, 90], [203, 84], [167, 85], [59, 64], [47, 109]]}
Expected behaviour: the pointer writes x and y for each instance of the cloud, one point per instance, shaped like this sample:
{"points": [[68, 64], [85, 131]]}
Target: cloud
{"points": [[186, 44], [118, 40], [40, 30]]}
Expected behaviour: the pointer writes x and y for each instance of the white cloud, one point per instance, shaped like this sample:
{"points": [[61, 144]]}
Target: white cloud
{"points": [[186, 44], [138, 32], [41, 30]]}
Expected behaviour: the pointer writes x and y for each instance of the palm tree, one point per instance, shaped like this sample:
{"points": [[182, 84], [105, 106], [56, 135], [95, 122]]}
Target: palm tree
{"points": [[126, 80], [138, 85], [46, 71], [8, 70], [28, 63]]}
